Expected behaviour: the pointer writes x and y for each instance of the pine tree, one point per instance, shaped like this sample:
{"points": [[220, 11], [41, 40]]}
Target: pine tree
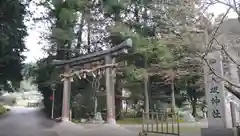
{"points": [[12, 31]]}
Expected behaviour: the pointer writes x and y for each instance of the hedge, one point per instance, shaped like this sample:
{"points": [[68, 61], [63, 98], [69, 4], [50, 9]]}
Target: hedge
{"points": [[3, 109]]}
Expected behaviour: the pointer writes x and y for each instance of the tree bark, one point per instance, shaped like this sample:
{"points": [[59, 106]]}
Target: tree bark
{"points": [[232, 90], [194, 106], [173, 96], [118, 100], [79, 34], [146, 95], [88, 35]]}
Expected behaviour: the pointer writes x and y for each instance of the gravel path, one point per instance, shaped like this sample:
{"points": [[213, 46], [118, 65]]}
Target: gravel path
{"points": [[21, 121]]}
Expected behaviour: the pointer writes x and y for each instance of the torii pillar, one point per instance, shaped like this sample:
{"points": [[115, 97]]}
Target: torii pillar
{"points": [[110, 92], [66, 94]]}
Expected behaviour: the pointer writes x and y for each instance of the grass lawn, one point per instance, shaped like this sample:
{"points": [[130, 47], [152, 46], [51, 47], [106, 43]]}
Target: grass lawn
{"points": [[186, 129], [182, 129], [130, 121], [76, 121], [136, 121], [3, 110]]}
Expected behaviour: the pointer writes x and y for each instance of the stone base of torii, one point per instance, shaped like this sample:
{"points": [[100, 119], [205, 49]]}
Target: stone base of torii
{"points": [[223, 107]]}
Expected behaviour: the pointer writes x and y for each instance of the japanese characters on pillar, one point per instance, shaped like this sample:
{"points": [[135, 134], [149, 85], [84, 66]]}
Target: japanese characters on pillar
{"points": [[215, 92]]}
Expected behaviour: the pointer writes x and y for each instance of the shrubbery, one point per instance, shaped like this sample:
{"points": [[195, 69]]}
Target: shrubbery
{"points": [[3, 109]]}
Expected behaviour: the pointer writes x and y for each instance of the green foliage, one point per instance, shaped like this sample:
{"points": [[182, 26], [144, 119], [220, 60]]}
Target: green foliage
{"points": [[154, 50], [168, 52], [134, 74], [28, 70], [45, 75], [61, 34], [3, 110], [158, 34], [113, 6], [67, 16], [12, 34], [130, 121]]}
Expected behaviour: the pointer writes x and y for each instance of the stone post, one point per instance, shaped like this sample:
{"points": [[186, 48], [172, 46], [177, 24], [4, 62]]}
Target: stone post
{"points": [[53, 102], [110, 93], [215, 97], [233, 114], [234, 78], [215, 92], [66, 93]]}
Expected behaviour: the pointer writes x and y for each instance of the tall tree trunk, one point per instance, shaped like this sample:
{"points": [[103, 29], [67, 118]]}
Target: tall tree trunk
{"points": [[173, 96], [232, 90], [117, 89], [89, 36], [95, 105], [194, 106], [126, 108], [59, 94], [69, 53], [118, 101], [79, 34], [146, 95], [136, 12]]}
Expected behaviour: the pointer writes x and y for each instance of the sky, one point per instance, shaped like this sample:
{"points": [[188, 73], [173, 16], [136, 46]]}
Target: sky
{"points": [[33, 40]]}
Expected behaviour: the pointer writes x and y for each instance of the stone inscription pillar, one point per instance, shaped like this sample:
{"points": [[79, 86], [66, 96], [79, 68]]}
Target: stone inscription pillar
{"points": [[214, 89], [218, 125]]}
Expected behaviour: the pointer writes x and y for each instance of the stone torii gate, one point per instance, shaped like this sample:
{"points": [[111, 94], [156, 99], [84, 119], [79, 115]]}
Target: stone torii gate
{"points": [[73, 64]]}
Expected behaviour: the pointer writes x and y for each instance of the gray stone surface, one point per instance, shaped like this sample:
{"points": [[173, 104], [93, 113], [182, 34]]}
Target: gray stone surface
{"points": [[98, 116], [217, 132], [23, 121], [188, 117]]}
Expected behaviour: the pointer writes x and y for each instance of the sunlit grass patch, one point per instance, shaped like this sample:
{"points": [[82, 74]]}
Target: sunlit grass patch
{"points": [[170, 129], [130, 121], [3, 110]]}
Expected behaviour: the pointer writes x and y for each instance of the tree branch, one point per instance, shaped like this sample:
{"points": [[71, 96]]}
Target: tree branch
{"points": [[227, 54], [210, 43], [219, 76], [233, 7], [232, 90]]}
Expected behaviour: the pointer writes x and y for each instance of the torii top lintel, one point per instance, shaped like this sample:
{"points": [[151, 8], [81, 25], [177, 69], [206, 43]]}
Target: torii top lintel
{"points": [[114, 51]]}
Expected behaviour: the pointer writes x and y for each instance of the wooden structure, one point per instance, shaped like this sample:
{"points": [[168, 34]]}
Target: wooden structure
{"points": [[73, 65], [160, 123]]}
